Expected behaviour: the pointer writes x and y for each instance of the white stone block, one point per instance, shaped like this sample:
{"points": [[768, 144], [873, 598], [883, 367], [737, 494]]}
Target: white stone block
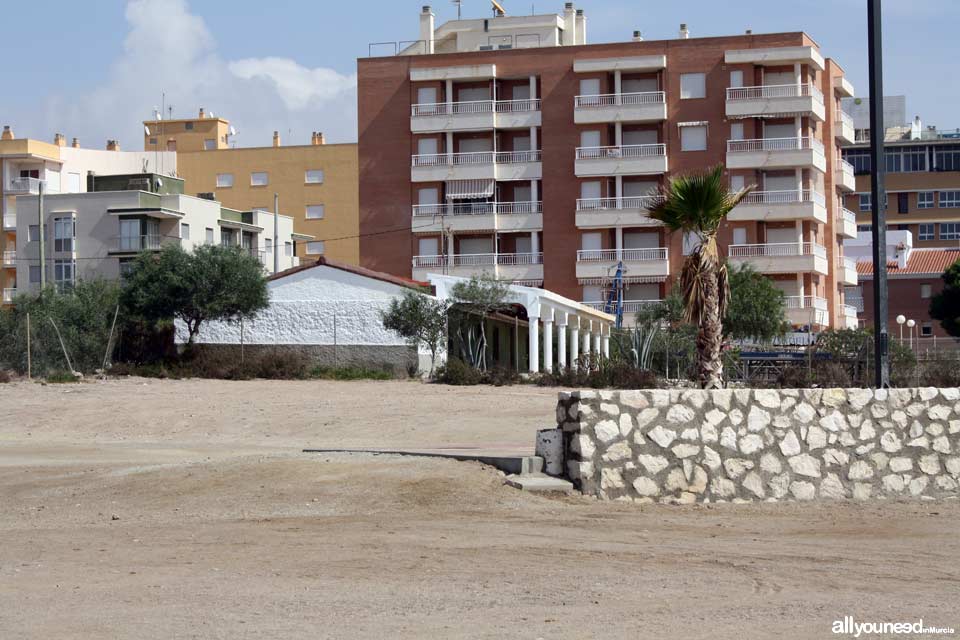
{"points": [[750, 444], [790, 445], [803, 490], [607, 431], [860, 470], [805, 465], [663, 437], [653, 464]]}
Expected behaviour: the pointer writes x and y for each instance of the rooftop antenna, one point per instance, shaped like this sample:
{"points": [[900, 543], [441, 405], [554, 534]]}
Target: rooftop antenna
{"points": [[459, 4]]}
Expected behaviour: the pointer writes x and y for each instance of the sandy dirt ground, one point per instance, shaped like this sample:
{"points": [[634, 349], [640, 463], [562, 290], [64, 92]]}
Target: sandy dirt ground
{"points": [[164, 509]]}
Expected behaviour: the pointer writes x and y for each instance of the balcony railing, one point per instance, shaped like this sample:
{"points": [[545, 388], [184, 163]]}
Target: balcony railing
{"points": [[771, 91], [844, 262], [774, 144], [9, 295], [856, 302], [477, 260], [612, 204], [476, 209], [142, 243], [806, 302], [777, 250], [849, 310], [845, 216], [790, 196], [514, 259], [845, 119], [623, 151], [474, 158], [622, 255], [9, 258], [474, 107], [629, 306], [9, 221], [24, 185], [617, 99], [847, 167]]}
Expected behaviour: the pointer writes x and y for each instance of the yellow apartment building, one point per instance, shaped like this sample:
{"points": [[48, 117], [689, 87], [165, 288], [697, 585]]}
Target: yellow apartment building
{"points": [[318, 184]]}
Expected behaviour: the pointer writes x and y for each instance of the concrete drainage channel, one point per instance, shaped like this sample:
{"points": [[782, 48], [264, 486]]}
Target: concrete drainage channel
{"points": [[537, 473]]}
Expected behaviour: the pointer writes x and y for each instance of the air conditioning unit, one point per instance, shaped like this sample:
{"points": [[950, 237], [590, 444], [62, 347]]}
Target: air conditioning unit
{"points": [[506, 46], [486, 47]]}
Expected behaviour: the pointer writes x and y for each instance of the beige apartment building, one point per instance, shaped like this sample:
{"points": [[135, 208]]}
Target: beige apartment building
{"points": [[510, 146], [316, 183]]}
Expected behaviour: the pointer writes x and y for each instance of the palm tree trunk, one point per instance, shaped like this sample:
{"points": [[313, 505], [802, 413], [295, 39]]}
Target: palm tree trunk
{"points": [[710, 336]]}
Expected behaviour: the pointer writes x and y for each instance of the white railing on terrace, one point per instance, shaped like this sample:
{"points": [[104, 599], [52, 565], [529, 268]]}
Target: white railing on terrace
{"points": [[770, 91], [846, 167], [774, 144], [846, 216], [624, 255], [9, 295], [623, 151], [844, 262], [610, 204], [477, 260], [617, 99], [9, 258], [9, 221], [806, 302], [845, 119], [856, 302], [514, 259], [849, 310], [476, 208], [474, 158], [629, 306], [474, 107], [142, 243], [790, 196], [30, 185], [776, 250]]}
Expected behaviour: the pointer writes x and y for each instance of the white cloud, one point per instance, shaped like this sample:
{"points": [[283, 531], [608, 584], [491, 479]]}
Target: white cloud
{"points": [[170, 50]]}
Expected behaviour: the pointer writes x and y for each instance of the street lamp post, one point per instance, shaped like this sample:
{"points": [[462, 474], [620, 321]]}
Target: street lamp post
{"points": [[900, 320], [911, 324]]}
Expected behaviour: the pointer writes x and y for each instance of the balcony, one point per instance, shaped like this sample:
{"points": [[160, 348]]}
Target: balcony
{"points": [[502, 266], [845, 178], [481, 115], [854, 302], [650, 106], [597, 213], [845, 132], [602, 263], [846, 224], [775, 206], [136, 244], [779, 100], [22, 186], [776, 153], [478, 216], [9, 222], [847, 271], [630, 309], [807, 311], [9, 258], [9, 295], [786, 257], [637, 159], [849, 316], [477, 165]]}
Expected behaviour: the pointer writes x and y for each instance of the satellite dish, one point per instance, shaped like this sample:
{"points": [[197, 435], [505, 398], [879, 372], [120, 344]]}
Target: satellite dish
{"points": [[159, 182], [233, 131], [146, 130]]}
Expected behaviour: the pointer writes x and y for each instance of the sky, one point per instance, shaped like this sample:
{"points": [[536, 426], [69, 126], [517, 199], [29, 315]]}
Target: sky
{"points": [[290, 65]]}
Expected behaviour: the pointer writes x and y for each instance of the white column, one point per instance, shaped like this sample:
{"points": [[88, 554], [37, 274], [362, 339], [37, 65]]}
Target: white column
{"points": [[533, 87], [574, 342], [618, 134], [534, 243], [606, 344], [533, 345], [618, 84], [797, 74], [798, 125], [547, 345], [450, 148], [586, 337], [800, 182], [619, 241], [562, 342], [533, 139], [597, 338]]}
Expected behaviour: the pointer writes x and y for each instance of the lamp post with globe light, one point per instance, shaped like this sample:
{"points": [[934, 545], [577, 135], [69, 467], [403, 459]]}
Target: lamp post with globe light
{"points": [[911, 324], [900, 320]]}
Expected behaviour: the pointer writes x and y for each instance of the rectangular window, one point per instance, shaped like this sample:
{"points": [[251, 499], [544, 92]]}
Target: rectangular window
{"points": [[126, 267], [33, 233], [950, 230], [894, 161], [925, 232], [314, 212], [865, 202], [903, 203], [226, 237], [864, 227], [268, 245], [947, 157], [64, 272], [64, 232], [926, 329], [34, 274], [288, 249], [259, 179], [73, 183], [224, 180], [925, 200], [736, 79], [949, 199], [315, 248], [860, 159], [188, 126], [153, 141], [209, 236], [184, 231], [914, 159], [693, 85], [313, 176], [693, 138], [209, 145], [926, 291]]}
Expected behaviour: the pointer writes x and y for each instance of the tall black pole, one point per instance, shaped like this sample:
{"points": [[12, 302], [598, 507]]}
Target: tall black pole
{"points": [[878, 196]]}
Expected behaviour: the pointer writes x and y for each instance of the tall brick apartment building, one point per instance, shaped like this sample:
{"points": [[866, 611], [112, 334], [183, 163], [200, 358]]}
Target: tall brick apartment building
{"points": [[512, 147]]}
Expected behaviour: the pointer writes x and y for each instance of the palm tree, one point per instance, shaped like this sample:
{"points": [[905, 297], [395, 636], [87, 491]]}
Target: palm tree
{"points": [[696, 204]]}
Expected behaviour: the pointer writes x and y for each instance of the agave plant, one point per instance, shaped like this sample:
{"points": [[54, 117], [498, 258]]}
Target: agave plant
{"points": [[696, 204]]}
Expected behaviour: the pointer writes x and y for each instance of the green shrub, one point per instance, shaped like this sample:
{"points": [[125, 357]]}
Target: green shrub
{"points": [[940, 373], [501, 377], [350, 373], [6, 376], [605, 374], [61, 377], [458, 373]]}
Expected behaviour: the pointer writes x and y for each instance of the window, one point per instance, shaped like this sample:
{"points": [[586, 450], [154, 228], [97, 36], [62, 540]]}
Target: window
{"points": [[184, 231], [865, 202], [209, 236], [63, 274], [926, 291], [947, 157], [209, 144], [864, 227], [949, 199], [188, 126], [315, 248], [34, 274], [313, 176], [693, 138], [903, 203], [314, 212], [288, 249], [925, 232], [926, 329], [268, 245], [226, 237], [860, 159], [153, 141], [925, 199], [950, 230], [736, 79], [693, 85], [64, 231], [912, 159], [225, 180], [894, 162], [33, 233], [259, 179], [73, 183], [126, 267]]}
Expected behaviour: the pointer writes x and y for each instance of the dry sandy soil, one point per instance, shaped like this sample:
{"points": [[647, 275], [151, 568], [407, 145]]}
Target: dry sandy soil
{"points": [[161, 509]]}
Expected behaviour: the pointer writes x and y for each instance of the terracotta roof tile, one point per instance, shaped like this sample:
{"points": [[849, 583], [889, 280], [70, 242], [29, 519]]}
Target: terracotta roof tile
{"points": [[922, 262]]}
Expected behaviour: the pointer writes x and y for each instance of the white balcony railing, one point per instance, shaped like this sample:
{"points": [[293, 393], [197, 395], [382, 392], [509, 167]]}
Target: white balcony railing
{"points": [[476, 209], [622, 255], [24, 185], [142, 243], [845, 119], [613, 204], [474, 107], [845, 216], [856, 302], [806, 302], [844, 262], [474, 158], [846, 167], [772, 91], [790, 196], [9, 221], [623, 151], [514, 259], [617, 99], [9, 295], [777, 250], [9, 258], [477, 260], [629, 306], [774, 144], [849, 310]]}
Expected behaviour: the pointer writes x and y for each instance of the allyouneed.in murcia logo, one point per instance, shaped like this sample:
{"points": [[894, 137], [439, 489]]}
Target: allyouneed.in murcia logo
{"points": [[849, 626]]}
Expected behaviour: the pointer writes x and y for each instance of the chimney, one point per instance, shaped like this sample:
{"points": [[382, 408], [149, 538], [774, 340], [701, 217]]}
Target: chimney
{"points": [[276, 138], [317, 138], [113, 145], [59, 139], [7, 133], [684, 32], [202, 114], [581, 27], [76, 143], [903, 254], [916, 130], [427, 20], [569, 24], [637, 36]]}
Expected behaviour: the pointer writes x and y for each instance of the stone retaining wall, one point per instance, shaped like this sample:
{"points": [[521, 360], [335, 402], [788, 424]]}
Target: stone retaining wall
{"points": [[765, 444]]}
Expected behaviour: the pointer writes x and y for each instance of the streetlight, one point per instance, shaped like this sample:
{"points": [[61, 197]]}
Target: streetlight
{"points": [[911, 324], [900, 320]]}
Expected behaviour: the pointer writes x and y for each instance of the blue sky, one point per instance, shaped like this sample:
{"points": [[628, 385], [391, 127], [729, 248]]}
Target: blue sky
{"points": [[289, 64]]}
